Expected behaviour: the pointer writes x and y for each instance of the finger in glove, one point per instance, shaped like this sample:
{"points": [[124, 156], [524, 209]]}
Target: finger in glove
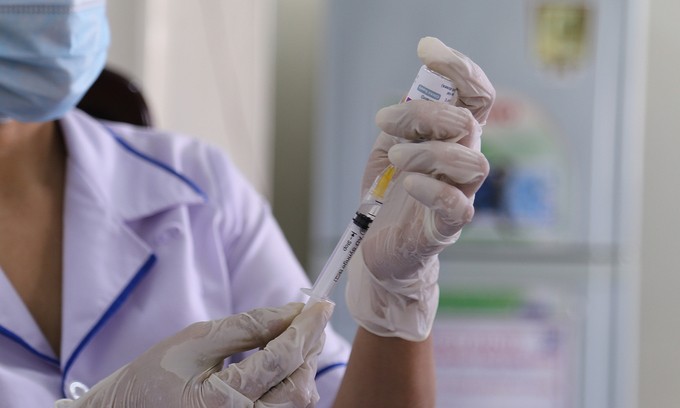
{"points": [[451, 208], [425, 120], [212, 341], [444, 161], [475, 91], [298, 389], [282, 356]]}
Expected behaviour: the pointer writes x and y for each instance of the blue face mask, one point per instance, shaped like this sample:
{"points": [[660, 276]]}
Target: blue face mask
{"points": [[51, 51]]}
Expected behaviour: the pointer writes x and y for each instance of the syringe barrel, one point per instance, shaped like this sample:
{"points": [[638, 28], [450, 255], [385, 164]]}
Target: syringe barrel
{"points": [[343, 252]]}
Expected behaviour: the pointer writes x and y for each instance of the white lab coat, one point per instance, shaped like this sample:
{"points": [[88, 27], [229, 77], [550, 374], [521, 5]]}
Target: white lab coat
{"points": [[159, 231]]}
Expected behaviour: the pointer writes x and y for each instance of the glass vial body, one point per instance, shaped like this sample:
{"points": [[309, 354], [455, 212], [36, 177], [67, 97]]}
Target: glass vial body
{"points": [[431, 86]]}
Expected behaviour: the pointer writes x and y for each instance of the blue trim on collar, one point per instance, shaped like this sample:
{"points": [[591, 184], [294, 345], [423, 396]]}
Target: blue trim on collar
{"points": [[156, 162], [15, 338], [328, 368], [143, 271]]}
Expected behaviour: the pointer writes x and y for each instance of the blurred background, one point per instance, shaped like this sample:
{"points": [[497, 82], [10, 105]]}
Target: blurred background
{"points": [[562, 292]]}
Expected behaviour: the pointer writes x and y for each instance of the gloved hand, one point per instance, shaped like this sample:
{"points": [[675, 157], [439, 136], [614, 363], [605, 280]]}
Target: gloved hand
{"points": [[392, 288], [185, 370]]}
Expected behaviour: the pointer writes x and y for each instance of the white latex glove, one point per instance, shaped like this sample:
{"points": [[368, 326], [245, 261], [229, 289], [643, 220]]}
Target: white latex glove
{"points": [[392, 288], [185, 370]]}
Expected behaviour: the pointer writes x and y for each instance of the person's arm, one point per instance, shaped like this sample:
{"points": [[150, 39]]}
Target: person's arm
{"points": [[392, 290], [388, 372]]}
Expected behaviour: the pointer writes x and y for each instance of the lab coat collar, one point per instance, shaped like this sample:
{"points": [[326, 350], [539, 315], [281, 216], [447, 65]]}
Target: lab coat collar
{"points": [[108, 162], [109, 183]]}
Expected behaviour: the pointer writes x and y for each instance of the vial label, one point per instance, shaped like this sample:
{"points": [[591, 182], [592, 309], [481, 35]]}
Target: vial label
{"points": [[431, 86]]}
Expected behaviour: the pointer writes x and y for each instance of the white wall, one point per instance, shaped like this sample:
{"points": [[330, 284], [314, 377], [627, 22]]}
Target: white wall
{"points": [[207, 69], [660, 240], [299, 40]]}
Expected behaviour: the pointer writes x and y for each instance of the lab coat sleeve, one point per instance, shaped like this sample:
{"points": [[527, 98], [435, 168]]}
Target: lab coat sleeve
{"points": [[263, 270]]}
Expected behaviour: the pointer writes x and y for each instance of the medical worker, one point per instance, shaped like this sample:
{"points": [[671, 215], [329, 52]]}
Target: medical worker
{"points": [[139, 269]]}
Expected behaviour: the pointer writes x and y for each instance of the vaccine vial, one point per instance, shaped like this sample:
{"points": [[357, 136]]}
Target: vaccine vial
{"points": [[431, 86]]}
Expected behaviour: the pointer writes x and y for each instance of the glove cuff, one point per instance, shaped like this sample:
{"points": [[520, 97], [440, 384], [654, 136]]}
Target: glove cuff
{"points": [[403, 308]]}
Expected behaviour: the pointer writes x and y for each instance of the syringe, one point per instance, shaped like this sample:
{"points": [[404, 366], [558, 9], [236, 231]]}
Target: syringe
{"points": [[428, 85], [351, 238]]}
